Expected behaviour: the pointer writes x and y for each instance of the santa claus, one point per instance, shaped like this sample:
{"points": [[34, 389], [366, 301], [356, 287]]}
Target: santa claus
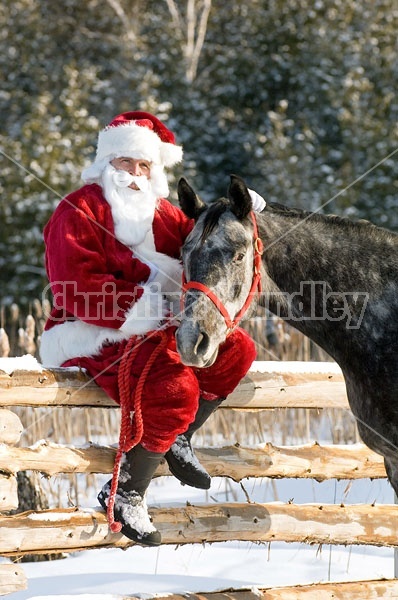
{"points": [[113, 261]]}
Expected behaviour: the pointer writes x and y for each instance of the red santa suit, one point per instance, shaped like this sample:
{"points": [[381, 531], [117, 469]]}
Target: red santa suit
{"points": [[104, 292]]}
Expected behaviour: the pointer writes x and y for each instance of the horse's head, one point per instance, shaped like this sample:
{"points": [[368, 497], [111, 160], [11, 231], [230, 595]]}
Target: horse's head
{"points": [[217, 259]]}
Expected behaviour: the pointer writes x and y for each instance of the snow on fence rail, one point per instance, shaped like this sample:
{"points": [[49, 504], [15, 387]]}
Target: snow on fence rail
{"points": [[268, 385]]}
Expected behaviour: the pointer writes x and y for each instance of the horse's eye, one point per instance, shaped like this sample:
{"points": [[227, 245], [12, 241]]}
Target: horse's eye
{"points": [[239, 257]]}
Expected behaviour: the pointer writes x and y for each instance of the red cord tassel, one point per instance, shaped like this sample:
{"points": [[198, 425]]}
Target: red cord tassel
{"points": [[130, 403]]}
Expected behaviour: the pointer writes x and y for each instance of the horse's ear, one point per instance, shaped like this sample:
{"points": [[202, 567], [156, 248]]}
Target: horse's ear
{"points": [[241, 202], [191, 205]]}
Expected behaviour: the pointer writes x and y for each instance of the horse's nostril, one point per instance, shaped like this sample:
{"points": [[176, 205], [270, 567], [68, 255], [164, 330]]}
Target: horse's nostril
{"points": [[202, 343]]}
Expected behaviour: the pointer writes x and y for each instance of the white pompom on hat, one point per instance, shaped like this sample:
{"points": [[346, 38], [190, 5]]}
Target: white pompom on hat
{"points": [[139, 135]]}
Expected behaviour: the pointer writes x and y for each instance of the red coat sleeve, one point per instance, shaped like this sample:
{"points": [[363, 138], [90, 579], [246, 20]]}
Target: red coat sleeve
{"points": [[92, 276], [170, 227]]}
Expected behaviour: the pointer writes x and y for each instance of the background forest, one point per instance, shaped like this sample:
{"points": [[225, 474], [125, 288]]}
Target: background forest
{"points": [[297, 96]]}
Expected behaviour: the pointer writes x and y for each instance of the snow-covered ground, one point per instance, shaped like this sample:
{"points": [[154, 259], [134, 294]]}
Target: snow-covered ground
{"points": [[106, 573]]}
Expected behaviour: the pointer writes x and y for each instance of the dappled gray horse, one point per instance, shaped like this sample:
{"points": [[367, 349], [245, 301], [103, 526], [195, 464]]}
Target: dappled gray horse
{"points": [[333, 279]]}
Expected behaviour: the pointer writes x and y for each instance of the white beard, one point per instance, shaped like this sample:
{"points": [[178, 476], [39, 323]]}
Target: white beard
{"points": [[133, 213], [132, 210]]}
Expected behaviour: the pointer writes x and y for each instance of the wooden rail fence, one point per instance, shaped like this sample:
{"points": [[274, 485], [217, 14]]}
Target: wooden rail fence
{"points": [[268, 385]]}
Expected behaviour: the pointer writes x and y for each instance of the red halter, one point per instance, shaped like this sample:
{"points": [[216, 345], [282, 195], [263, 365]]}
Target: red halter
{"points": [[256, 284]]}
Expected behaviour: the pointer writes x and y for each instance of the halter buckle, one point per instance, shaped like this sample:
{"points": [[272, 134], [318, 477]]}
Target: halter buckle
{"points": [[259, 246]]}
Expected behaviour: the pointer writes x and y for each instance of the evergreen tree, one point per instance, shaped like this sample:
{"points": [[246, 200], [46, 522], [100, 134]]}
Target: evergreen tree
{"points": [[296, 96]]}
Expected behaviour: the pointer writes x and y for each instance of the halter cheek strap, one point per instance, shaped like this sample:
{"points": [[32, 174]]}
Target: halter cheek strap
{"points": [[255, 287]]}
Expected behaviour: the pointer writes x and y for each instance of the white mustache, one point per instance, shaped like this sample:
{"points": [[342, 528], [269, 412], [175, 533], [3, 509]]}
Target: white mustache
{"points": [[123, 179]]}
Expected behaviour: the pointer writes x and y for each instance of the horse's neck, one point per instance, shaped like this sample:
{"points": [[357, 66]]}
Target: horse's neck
{"points": [[309, 283], [298, 251]]}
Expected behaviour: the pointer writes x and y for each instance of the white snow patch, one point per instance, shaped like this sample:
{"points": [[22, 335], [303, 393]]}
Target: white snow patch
{"points": [[255, 590], [27, 362], [50, 516], [78, 597], [294, 366]]}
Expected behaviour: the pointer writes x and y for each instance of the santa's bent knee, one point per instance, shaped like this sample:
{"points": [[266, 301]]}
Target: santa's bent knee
{"points": [[170, 410]]}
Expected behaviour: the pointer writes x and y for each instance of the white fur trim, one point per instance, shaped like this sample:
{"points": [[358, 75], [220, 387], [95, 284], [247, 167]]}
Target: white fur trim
{"points": [[135, 141], [72, 339], [92, 173], [77, 338]]}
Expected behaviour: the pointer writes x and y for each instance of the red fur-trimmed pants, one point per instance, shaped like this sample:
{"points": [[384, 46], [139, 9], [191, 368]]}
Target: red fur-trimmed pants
{"points": [[172, 390]]}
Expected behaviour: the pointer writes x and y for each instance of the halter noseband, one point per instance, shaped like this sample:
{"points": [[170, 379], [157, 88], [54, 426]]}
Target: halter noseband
{"points": [[255, 287]]}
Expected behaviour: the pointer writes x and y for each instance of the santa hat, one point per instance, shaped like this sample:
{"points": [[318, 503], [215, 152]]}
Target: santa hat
{"points": [[136, 134]]}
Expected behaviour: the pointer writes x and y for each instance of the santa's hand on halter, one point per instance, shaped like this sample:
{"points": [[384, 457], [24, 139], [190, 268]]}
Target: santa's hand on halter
{"points": [[147, 313], [258, 201]]}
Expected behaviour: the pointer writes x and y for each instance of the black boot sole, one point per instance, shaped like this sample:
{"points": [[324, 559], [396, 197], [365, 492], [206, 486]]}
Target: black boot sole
{"points": [[152, 539], [196, 480]]}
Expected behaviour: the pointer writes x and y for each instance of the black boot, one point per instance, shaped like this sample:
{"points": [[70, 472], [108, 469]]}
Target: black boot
{"points": [[181, 458], [130, 509]]}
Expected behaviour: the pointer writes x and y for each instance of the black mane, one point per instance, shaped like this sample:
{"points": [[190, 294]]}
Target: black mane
{"points": [[330, 219], [218, 207], [213, 214]]}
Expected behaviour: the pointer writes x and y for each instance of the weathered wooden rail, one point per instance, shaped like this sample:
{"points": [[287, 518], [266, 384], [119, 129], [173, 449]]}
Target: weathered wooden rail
{"points": [[271, 386], [358, 590], [268, 385], [312, 461]]}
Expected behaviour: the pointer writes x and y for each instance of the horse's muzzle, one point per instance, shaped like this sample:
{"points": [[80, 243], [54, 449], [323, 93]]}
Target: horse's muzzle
{"points": [[193, 346]]}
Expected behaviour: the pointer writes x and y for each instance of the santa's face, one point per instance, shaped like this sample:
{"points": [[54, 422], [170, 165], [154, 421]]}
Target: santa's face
{"points": [[133, 208], [136, 167]]}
